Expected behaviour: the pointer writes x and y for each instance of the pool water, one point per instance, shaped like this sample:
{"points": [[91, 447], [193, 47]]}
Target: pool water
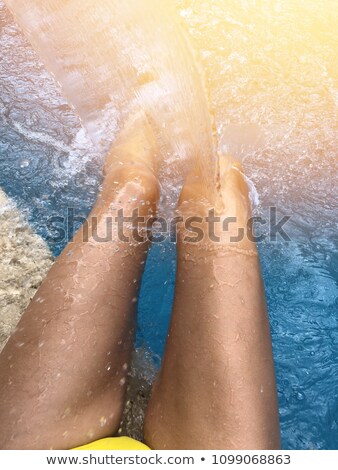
{"points": [[271, 75]]}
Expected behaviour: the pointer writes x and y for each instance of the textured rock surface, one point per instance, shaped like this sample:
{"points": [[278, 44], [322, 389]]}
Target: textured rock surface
{"points": [[25, 260]]}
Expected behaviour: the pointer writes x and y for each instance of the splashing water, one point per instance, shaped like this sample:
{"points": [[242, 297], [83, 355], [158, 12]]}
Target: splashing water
{"points": [[271, 75], [118, 58]]}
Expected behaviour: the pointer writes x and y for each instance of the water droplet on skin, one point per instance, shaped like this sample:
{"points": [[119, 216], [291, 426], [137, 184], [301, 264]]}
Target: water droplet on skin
{"points": [[122, 381], [125, 366], [66, 413], [134, 300], [90, 434], [20, 345], [103, 421], [108, 366]]}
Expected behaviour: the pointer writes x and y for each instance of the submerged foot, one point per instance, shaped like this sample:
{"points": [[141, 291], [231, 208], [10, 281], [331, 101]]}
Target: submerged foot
{"points": [[131, 161], [234, 198], [135, 145], [232, 207]]}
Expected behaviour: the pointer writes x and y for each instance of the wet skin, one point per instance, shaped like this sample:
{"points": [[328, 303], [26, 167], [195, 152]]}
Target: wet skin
{"points": [[64, 370]]}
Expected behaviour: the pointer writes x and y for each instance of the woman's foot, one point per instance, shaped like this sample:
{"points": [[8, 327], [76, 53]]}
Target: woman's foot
{"points": [[135, 145], [131, 166], [231, 207]]}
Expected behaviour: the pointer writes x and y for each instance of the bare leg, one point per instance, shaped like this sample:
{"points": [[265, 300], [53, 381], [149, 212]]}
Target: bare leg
{"points": [[63, 371], [216, 388]]}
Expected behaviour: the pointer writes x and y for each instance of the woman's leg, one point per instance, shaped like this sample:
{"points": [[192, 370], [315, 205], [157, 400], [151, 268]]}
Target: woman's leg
{"points": [[63, 372], [216, 388]]}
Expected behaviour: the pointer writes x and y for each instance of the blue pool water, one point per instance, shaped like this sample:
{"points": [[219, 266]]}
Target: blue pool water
{"points": [[48, 165]]}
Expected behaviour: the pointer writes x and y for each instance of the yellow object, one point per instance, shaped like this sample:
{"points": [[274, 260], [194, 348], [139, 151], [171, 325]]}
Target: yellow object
{"points": [[114, 443]]}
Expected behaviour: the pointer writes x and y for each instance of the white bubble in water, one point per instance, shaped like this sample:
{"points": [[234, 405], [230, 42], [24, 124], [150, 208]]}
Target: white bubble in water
{"points": [[24, 163]]}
